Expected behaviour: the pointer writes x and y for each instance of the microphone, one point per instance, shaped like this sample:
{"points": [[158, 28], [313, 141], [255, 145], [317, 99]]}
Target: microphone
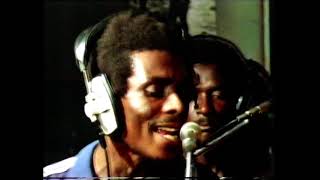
{"points": [[188, 135], [259, 109], [256, 110], [241, 120]]}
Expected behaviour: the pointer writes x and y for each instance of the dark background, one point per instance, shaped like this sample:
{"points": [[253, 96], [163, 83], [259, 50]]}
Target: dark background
{"points": [[66, 128]]}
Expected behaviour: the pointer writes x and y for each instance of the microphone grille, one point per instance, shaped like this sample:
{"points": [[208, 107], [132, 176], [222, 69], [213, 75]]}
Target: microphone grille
{"points": [[188, 135]]}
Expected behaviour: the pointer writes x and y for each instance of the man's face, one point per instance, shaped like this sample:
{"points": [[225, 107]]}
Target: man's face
{"points": [[213, 106], [153, 108]]}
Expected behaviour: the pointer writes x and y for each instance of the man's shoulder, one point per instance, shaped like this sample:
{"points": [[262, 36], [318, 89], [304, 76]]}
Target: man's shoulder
{"points": [[79, 165], [59, 167]]}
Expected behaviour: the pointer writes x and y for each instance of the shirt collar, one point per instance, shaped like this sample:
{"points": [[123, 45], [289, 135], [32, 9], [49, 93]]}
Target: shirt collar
{"points": [[83, 165]]}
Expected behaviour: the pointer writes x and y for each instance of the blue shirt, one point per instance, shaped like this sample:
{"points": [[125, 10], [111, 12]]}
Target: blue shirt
{"points": [[77, 166], [80, 167]]}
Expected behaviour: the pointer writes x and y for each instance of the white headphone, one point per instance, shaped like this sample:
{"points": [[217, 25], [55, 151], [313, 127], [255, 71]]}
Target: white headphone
{"points": [[100, 100]]}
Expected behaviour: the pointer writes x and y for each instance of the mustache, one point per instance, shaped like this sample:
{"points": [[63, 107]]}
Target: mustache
{"points": [[215, 123], [174, 121], [202, 121]]}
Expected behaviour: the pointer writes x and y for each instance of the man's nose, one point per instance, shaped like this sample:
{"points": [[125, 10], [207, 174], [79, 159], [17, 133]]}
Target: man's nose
{"points": [[203, 104], [173, 104]]}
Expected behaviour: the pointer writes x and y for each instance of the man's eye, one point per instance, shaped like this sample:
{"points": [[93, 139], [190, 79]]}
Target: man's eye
{"points": [[218, 95], [153, 91]]}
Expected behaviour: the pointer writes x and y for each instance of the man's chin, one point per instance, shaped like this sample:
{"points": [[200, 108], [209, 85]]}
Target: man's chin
{"points": [[205, 137], [166, 153], [167, 156]]}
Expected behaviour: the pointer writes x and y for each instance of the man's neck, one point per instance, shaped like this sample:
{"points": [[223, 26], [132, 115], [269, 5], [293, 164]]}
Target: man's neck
{"points": [[118, 157]]}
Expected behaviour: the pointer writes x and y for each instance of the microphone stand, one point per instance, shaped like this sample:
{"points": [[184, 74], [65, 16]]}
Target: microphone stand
{"points": [[188, 135], [215, 141], [240, 121], [191, 170]]}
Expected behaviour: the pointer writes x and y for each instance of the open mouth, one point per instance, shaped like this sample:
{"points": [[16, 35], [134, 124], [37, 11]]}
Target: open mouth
{"points": [[169, 133], [204, 125], [206, 128]]}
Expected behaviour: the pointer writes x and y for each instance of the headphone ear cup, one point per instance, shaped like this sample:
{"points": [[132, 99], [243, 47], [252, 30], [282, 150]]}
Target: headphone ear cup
{"points": [[101, 104], [239, 104], [244, 102]]}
